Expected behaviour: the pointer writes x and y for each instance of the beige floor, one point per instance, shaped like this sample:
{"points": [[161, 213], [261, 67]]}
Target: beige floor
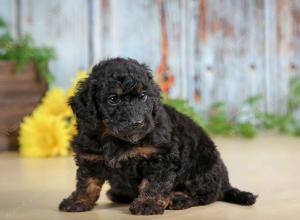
{"points": [[268, 165]]}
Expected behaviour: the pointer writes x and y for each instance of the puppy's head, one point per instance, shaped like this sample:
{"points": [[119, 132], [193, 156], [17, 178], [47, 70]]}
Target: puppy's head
{"points": [[119, 96]]}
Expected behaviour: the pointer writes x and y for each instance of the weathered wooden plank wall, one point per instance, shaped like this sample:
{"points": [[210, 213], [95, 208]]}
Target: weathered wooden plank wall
{"points": [[206, 50]]}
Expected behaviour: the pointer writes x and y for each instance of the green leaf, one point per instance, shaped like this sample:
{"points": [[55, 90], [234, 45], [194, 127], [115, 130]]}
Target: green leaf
{"points": [[2, 23], [253, 100], [182, 106], [246, 129], [22, 51]]}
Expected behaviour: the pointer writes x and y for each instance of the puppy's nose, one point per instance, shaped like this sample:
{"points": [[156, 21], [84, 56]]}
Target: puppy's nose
{"points": [[137, 124]]}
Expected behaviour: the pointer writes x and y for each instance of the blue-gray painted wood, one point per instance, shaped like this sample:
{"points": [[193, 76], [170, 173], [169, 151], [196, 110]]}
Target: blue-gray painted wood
{"points": [[222, 50], [64, 25], [8, 11]]}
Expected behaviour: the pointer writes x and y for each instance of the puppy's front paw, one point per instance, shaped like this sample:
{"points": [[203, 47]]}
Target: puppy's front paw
{"points": [[69, 205], [147, 206]]}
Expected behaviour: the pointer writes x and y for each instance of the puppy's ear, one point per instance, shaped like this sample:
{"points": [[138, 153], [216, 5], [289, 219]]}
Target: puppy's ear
{"points": [[84, 103], [156, 89], [147, 70]]}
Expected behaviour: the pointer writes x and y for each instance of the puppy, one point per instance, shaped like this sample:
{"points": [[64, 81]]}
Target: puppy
{"points": [[153, 157]]}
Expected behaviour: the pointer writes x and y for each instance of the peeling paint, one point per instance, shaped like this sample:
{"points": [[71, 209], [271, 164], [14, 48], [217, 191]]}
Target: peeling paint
{"points": [[221, 24], [296, 18], [197, 96], [163, 73], [208, 47], [202, 20], [105, 4], [279, 9]]}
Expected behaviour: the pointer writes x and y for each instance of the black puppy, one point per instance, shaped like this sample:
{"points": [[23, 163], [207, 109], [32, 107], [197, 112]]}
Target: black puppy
{"points": [[153, 156]]}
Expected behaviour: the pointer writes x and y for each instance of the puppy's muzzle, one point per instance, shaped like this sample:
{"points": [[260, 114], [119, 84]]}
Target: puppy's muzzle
{"points": [[137, 124]]}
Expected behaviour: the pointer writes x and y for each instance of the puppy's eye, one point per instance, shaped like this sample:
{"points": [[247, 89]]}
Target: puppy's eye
{"points": [[143, 96], [113, 100]]}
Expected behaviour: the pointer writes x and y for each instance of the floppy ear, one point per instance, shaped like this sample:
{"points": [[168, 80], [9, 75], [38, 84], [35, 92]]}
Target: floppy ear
{"points": [[155, 87], [147, 70], [84, 103]]}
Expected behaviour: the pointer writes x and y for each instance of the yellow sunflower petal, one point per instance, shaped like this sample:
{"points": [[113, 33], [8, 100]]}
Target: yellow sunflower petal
{"points": [[43, 136], [55, 103], [80, 76]]}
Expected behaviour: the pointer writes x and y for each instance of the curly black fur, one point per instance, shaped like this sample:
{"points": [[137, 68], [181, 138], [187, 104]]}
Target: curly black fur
{"points": [[153, 156]]}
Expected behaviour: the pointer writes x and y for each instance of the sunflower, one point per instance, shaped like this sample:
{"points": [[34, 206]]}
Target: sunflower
{"points": [[50, 128], [55, 103], [44, 135], [79, 77]]}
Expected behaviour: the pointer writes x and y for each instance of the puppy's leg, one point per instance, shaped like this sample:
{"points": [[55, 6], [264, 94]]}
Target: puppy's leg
{"points": [[85, 196], [154, 195], [180, 200], [118, 196]]}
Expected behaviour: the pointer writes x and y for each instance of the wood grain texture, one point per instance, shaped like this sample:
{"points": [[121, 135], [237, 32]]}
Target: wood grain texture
{"points": [[20, 92], [221, 50]]}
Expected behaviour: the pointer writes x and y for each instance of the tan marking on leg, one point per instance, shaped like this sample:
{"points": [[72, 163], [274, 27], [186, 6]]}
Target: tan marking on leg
{"points": [[165, 201], [143, 186], [92, 191], [85, 196]]}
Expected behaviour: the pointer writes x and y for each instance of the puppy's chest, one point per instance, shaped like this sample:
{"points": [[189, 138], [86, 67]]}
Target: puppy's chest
{"points": [[131, 156], [127, 177], [124, 160], [127, 170]]}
